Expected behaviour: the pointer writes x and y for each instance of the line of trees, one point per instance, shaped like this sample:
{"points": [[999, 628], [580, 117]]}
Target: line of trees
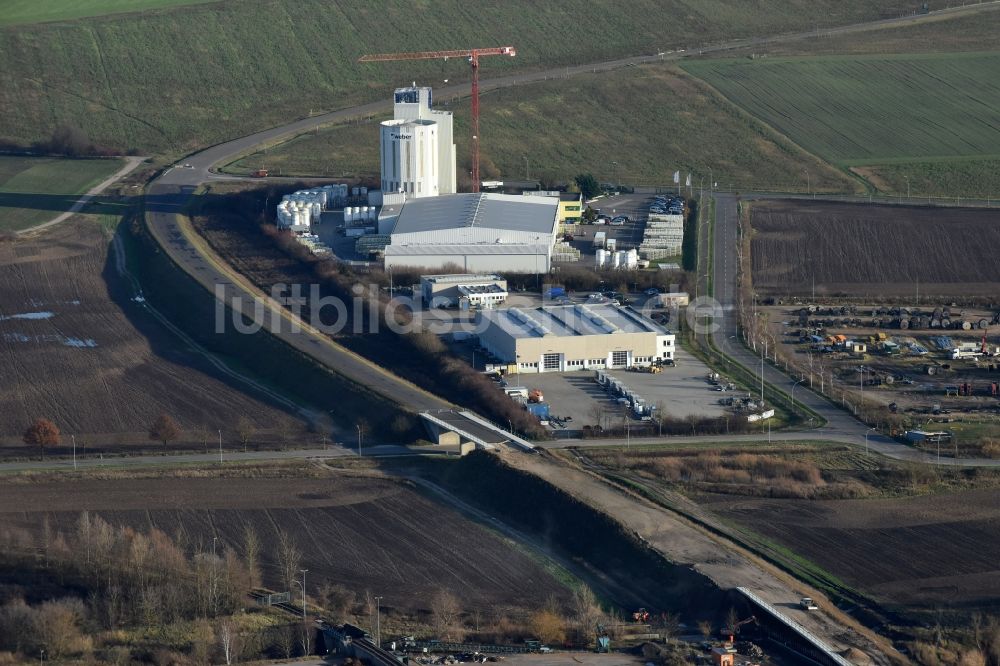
{"points": [[116, 579], [44, 434]]}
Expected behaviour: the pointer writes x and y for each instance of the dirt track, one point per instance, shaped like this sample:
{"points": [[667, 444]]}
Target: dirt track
{"points": [[71, 353]]}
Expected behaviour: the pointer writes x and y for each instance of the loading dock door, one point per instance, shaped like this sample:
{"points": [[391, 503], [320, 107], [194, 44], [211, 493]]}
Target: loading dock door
{"points": [[551, 362], [619, 359]]}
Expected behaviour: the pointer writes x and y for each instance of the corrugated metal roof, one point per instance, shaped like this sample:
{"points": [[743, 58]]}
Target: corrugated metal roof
{"points": [[484, 210], [571, 320], [482, 248]]}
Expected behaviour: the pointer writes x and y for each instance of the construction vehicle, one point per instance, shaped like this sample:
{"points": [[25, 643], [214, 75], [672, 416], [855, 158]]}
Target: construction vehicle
{"points": [[473, 56], [731, 632], [259, 173]]}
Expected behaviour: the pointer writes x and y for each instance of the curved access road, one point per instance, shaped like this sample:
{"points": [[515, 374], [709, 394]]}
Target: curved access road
{"points": [[168, 195], [840, 425]]}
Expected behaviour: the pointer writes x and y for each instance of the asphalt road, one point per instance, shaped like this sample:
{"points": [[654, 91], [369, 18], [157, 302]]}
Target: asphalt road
{"points": [[840, 426], [168, 194]]}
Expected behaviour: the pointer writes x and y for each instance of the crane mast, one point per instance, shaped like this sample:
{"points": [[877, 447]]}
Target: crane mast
{"points": [[473, 56]]}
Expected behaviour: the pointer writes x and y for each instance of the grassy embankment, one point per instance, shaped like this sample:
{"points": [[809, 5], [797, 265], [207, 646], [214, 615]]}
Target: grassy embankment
{"points": [[927, 118], [33, 190], [651, 120], [822, 480], [261, 355], [173, 80]]}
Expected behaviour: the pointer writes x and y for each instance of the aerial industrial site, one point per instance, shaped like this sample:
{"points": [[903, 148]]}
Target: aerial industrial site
{"points": [[584, 333]]}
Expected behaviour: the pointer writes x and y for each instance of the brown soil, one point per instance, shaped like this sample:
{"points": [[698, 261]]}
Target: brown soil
{"points": [[922, 552], [364, 533], [99, 371], [870, 251]]}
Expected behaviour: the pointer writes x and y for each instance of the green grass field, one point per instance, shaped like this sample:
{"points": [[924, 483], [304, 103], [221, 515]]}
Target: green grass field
{"points": [[944, 178], [33, 190], [35, 11], [651, 120], [173, 80], [866, 110], [973, 31]]}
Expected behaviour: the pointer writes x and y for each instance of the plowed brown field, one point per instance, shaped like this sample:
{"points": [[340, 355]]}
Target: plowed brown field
{"points": [[935, 551], [800, 247], [364, 533], [69, 352]]}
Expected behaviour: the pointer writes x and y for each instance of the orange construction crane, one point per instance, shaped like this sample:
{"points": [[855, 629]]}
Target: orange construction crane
{"points": [[473, 55]]}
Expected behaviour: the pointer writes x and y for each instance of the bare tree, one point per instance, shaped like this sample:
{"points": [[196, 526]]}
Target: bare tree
{"points": [[305, 639], [164, 429], [251, 553], [336, 600], [227, 634], [284, 639], [245, 430], [444, 612], [42, 433], [289, 558], [586, 609], [549, 626], [669, 625], [705, 627]]}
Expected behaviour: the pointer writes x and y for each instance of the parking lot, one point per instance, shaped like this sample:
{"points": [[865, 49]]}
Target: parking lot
{"points": [[682, 389]]}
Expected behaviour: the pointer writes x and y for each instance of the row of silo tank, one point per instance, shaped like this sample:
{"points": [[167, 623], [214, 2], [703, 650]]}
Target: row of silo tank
{"points": [[298, 214], [360, 214], [622, 259]]}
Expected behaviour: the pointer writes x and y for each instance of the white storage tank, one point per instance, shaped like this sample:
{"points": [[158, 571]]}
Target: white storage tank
{"points": [[372, 214], [616, 259], [632, 259], [354, 191], [602, 258], [347, 214], [364, 191]]}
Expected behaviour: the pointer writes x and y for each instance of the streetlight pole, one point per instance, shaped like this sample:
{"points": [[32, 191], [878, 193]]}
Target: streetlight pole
{"points": [[793, 391], [358, 426], [628, 439], [866, 438], [378, 621], [526, 176], [304, 571], [220, 446], [73, 437]]}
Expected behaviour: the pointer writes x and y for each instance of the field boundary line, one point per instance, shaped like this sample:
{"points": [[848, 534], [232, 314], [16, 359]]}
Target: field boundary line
{"points": [[131, 163]]}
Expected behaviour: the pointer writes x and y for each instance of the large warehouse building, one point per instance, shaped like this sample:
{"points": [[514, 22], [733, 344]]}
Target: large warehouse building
{"points": [[574, 337], [417, 149], [479, 233]]}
